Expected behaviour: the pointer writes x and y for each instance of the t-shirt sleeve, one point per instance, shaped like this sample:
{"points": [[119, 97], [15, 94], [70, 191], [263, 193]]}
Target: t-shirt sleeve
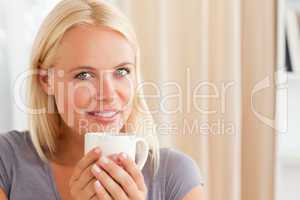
{"points": [[5, 164], [183, 175]]}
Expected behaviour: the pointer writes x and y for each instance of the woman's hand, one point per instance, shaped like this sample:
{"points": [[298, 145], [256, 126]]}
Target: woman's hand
{"points": [[82, 182], [124, 182]]}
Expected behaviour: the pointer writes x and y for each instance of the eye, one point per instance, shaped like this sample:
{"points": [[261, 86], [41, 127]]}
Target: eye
{"points": [[84, 76], [122, 72]]}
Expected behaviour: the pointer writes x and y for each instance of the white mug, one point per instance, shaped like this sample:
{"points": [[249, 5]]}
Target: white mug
{"points": [[114, 144]]}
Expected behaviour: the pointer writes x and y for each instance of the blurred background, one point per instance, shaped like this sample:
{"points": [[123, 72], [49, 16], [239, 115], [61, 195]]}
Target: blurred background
{"points": [[246, 52], [289, 143]]}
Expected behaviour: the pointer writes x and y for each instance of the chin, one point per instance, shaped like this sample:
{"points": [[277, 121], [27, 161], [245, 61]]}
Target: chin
{"points": [[94, 126], [94, 123]]}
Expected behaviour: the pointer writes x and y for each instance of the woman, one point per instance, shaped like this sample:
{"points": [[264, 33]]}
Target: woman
{"points": [[85, 75]]}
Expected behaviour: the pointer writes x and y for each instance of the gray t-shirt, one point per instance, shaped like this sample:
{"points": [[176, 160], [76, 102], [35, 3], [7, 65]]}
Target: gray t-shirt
{"points": [[24, 176]]}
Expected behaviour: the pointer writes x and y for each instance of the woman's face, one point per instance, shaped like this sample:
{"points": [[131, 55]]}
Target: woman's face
{"points": [[94, 79]]}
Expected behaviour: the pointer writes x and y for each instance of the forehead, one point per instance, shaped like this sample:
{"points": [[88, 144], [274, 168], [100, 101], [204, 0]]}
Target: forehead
{"points": [[96, 46]]}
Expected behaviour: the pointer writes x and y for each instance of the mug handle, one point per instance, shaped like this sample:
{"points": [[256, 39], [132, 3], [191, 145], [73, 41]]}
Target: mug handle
{"points": [[143, 154]]}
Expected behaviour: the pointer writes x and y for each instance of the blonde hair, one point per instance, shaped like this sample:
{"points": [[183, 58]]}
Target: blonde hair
{"points": [[44, 126]]}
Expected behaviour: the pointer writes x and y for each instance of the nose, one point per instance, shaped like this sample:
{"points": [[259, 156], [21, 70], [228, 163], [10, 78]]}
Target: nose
{"points": [[106, 90]]}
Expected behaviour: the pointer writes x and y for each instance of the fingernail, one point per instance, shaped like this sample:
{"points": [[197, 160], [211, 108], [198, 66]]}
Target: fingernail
{"points": [[97, 150], [124, 156], [104, 160], [96, 169], [97, 184]]}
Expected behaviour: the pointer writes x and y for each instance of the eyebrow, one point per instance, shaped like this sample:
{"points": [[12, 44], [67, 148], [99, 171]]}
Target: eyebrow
{"points": [[94, 69]]}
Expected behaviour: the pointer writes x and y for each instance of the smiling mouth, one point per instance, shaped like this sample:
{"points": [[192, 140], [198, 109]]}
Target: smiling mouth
{"points": [[104, 116]]}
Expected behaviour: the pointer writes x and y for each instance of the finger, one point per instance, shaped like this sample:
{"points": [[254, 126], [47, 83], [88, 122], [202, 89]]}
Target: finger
{"points": [[95, 197], [101, 193], [132, 169], [89, 191], [87, 160], [114, 189], [120, 176], [84, 179], [114, 158]]}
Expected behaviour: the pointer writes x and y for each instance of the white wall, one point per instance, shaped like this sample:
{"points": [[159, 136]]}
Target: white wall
{"points": [[289, 142], [289, 146], [5, 103], [294, 3], [19, 22]]}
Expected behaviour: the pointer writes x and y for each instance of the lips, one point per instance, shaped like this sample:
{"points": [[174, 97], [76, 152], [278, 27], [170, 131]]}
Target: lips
{"points": [[107, 114], [104, 116]]}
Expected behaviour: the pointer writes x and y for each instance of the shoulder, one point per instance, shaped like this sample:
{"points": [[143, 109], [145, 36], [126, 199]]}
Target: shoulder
{"points": [[16, 146], [20, 167], [173, 157], [12, 141], [10, 144], [13, 136], [178, 172]]}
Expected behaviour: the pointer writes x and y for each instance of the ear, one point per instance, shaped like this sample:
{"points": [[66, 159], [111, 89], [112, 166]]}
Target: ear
{"points": [[45, 82]]}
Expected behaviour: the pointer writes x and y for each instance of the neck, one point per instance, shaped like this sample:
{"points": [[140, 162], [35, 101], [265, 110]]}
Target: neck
{"points": [[69, 148]]}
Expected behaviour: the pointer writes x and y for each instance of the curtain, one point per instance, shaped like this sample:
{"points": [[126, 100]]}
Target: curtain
{"points": [[209, 70]]}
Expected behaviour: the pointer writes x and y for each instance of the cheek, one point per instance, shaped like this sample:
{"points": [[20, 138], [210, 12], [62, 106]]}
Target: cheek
{"points": [[126, 95], [126, 92], [73, 98], [82, 97]]}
